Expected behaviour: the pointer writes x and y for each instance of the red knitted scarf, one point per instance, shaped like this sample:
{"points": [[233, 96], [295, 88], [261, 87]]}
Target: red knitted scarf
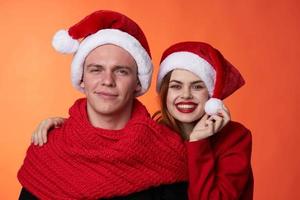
{"points": [[80, 161]]}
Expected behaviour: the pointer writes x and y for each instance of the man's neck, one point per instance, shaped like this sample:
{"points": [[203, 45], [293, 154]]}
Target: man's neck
{"points": [[112, 121]]}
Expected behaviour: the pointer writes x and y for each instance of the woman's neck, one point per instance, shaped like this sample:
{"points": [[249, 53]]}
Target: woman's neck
{"points": [[187, 128]]}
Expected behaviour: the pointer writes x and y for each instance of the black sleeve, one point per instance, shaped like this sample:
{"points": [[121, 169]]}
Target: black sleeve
{"points": [[26, 195], [175, 191]]}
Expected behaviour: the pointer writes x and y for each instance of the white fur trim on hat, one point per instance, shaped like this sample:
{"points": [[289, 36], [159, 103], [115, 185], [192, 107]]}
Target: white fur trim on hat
{"points": [[121, 39], [213, 105], [191, 62], [64, 43]]}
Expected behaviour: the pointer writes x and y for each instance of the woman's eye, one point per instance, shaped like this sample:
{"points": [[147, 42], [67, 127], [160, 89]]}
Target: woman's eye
{"points": [[197, 87], [175, 86]]}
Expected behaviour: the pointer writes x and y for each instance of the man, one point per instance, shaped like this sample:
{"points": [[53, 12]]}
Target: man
{"points": [[110, 82], [108, 147]]}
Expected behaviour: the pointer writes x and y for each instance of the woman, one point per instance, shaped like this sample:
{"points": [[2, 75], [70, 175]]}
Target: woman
{"points": [[192, 79], [219, 164]]}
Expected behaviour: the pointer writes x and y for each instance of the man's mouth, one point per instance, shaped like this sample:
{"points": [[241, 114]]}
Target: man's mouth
{"points": [[106, 95]]}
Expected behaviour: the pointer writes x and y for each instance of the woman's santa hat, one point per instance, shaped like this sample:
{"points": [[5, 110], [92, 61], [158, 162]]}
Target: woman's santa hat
{"points": [[105, 27], [220, 77]]}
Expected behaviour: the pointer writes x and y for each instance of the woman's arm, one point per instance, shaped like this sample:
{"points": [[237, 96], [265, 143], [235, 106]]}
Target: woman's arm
{"points": [[39, 136], [220, 167]]}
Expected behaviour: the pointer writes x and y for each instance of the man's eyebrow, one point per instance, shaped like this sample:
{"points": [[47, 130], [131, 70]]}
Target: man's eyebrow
{"points": [[123, 67], [94, 65]]}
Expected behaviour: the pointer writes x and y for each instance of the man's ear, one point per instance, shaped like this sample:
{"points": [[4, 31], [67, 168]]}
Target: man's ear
{"points": [[138, 88], [81, 81]]}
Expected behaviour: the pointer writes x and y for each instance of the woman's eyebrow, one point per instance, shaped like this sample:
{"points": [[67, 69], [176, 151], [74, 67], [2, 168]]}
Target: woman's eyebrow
{"points": [[193, 82], [198, 81], [176, 81]]}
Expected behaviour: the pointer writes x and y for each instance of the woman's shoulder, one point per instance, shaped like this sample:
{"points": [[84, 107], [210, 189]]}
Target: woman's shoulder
{"points": [[235, 128], [234, 134]]}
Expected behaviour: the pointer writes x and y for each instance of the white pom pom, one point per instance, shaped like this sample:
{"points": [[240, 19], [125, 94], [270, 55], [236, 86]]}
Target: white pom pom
{"points": [[64, 43], [212, 106]]}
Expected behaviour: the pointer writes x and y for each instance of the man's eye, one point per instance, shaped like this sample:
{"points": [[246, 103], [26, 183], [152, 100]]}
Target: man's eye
{"points": [[122, 72], [94, 70]]}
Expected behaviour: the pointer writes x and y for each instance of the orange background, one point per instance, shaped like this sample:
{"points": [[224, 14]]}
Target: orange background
{"points": [[260, 37]]}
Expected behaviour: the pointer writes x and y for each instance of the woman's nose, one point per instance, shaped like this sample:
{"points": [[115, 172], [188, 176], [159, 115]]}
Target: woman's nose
{"points": [[186, 93]]}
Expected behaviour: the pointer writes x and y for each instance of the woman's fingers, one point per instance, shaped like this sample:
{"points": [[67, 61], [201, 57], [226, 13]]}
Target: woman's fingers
{"points": [[210, 127], [39, 136], [217, 122]]}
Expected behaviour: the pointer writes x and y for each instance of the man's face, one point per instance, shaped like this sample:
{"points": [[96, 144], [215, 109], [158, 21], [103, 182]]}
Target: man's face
{"points": [[109, 81]]}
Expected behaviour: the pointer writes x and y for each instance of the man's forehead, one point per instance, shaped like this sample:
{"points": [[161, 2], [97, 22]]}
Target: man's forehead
{"points": [[112, 48], [110, 54]]}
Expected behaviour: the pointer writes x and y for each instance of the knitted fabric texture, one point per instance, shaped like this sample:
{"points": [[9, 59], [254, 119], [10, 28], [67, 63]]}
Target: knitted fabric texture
{"points": [[80, 161]]}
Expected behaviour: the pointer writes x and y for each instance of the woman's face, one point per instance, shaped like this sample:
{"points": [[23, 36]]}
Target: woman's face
{"points": [[186, 96]]}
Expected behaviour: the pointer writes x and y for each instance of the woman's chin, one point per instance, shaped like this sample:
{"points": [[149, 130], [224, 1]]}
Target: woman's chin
{"points": [[188, 119]]}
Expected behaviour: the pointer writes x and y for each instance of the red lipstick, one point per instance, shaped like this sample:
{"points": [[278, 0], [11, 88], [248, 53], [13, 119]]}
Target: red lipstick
{"points": [[186, 107]]}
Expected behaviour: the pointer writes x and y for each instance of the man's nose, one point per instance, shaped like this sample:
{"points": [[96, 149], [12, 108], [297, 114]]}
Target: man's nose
{"points": [[108, 79]]}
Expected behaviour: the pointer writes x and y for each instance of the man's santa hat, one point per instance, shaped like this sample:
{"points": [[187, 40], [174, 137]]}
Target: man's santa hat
{"points": [[220, 77], [105, 27]]}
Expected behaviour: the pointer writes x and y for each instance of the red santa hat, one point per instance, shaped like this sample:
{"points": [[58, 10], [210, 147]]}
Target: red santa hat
{"points": [[105, 27], [220, 77]]}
